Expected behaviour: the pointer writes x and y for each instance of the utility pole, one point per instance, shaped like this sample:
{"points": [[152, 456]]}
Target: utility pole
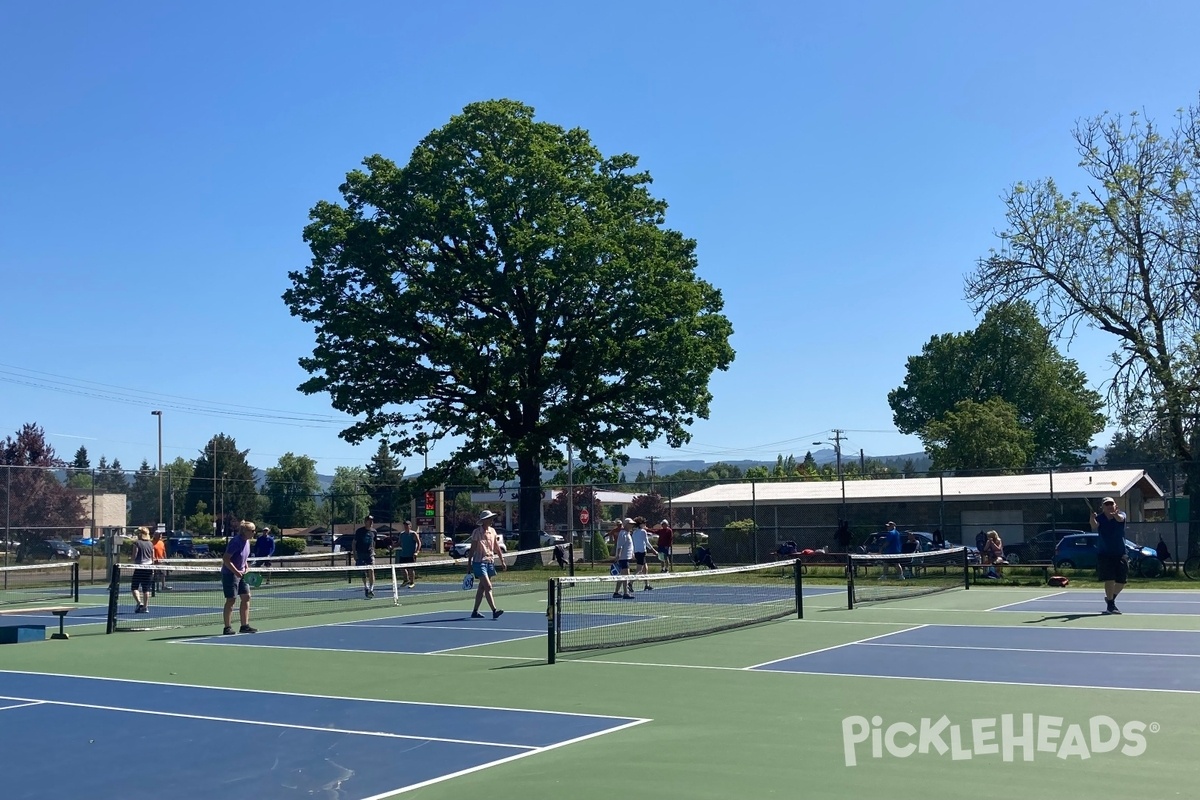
{"points": [[160, 486], [652, 475], [838, 438]]}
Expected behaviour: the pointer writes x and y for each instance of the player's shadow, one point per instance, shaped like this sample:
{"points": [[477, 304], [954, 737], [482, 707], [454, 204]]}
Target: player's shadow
{"points": [[1064, 618]]}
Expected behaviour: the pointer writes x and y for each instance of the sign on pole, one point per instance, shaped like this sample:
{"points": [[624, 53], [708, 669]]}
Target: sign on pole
{"points": [[584, 516]]}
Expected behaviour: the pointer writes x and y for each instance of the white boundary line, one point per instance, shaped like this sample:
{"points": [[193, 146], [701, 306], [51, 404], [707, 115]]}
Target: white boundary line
{"points": [[1027, 650], [221, 643], [317, 696], [435, 628], [21, 705], [265, 724], [1027, 600], [833, 647]]}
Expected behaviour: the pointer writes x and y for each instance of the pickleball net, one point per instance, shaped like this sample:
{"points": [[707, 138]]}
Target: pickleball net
{"points": [[599, 612], [873, 578], [192, 596], [39, 583]]}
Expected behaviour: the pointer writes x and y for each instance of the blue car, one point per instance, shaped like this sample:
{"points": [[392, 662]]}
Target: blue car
{"points": [[1079, 552]]}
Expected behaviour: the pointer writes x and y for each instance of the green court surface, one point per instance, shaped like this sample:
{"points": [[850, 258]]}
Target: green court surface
{"points": [[1094, 685]]}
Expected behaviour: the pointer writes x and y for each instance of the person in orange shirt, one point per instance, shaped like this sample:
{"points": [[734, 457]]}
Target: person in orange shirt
{"points": [[160, 554]]}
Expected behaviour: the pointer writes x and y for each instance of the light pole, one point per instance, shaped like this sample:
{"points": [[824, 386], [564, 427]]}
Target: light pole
{"points": [[836, 441], [160, 494]]}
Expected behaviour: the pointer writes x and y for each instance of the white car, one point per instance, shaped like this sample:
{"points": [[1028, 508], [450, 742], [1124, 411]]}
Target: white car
{"points": [[552, 539]]}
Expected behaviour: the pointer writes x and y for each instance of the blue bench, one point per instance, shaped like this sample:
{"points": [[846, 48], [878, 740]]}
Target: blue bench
{"points": [[58, 611]]}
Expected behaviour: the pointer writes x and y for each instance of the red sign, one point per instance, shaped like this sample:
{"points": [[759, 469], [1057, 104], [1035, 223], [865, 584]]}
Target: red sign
{"points": [[584, 516]]}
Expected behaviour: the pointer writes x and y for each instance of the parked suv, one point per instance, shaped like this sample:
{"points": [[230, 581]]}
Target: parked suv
{"points": [[1079, 552], [1038, 548], [184, 547], [53, 549]]}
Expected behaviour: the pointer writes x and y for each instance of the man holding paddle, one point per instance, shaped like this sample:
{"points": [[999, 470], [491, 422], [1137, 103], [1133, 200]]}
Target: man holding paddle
{"points": [[233, 581], [1112, 563]]}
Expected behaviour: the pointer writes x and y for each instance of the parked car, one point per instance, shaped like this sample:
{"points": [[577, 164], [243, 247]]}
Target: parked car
{"points": [[552, 539], [185, 547], [1078, 551], [54, 549], [1040, 547]]}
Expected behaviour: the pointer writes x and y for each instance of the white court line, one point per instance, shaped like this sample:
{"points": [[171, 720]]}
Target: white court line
{"points": [[261, 723], [833, 647], [1028, 600], [978, 682], [21, 705], [450, 650], [533, 752], [317, 696], [421, 627], [1024, 627], [1027, 650], [222, 643]]}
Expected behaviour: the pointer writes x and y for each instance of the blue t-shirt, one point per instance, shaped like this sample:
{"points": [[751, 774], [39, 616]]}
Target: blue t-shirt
{"points": [[264, 546], [238, 551], [1112, 535], [893, 542]]}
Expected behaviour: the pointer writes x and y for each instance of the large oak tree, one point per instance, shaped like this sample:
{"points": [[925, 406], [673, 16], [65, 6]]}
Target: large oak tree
{"points": [[514, 290]]}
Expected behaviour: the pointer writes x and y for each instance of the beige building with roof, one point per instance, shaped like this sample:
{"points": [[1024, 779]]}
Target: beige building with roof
{"points": [[1018, 506]]}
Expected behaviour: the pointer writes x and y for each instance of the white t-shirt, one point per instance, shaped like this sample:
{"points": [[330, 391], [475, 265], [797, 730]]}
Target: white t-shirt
{"points": [[640, 538], [624, 545]]}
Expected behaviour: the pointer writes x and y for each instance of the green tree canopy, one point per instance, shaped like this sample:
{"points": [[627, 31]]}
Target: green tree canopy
{"points": [[143, 497], [1008, 357], [33, 498], [1121, 257], [514, 289], [292, 491], [349, 498], [178, 477], [390, 492], [978, 436], [231, 486]]}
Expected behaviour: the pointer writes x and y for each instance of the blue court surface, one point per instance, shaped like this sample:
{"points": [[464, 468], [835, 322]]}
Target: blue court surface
{"points": [[1099, 658], [228, 743], [432, 632], [1091, 601], [83, 615]]}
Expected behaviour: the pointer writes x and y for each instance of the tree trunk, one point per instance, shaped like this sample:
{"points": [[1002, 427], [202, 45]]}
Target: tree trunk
{"points": [[530, 476], [1191, 469]]}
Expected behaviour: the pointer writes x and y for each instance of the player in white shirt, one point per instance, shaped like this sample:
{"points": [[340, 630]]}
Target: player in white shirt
{"points": [[641, 544]]}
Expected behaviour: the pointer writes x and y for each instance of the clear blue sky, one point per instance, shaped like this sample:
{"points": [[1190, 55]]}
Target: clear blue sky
{"points": [[841, 168]]}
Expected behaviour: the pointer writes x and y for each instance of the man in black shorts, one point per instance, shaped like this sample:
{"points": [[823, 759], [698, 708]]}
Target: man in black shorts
{"points": [[143, 573], [1112, 563], [364, 554]]}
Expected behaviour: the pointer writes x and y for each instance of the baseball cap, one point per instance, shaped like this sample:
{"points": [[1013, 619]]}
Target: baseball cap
{"points": [[628, 521], [665, 522], [1108, 500]]}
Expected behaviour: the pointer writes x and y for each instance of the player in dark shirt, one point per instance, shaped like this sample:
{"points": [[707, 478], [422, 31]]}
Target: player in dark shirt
{"points": [[1112, 563], [364, 554]]}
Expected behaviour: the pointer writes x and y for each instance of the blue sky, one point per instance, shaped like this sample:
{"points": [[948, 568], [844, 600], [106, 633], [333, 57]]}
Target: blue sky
{"points": [[840, 167]]}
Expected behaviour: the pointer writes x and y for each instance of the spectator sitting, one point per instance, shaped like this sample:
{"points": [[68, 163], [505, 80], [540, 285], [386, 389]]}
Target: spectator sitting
{"points": [[1164, 554], [939, 540], [786, 549], [704, 558], [911, 544], [993, 555]]}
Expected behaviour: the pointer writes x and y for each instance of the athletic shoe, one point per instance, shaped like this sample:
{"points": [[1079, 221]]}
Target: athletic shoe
{"points": [[616, 595], [476, 615], [647, 588], [247, 629], [228, 631], [627, 596], [496, 614], [1113, 609], [370, 594]]}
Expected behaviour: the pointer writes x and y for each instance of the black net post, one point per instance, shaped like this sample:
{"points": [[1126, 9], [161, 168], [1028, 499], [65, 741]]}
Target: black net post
{"points": [[799, 590], [571, 557], [114, 598], [849, 581], [550, 624], [75, 580], [966, 570]]}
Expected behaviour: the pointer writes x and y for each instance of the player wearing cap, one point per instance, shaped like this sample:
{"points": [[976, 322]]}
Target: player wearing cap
{"points": [[364, 554], [624, 554], [485, 549], [1112, 563], [143, 576], [264, 548], [666, 538], [641, 546]]}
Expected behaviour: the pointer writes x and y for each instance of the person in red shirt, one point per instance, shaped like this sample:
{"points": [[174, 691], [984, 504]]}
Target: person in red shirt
{"points": [[666, 537]]}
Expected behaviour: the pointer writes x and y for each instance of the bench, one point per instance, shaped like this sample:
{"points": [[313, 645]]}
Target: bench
{"points": [[979, 570], [58, 611]]}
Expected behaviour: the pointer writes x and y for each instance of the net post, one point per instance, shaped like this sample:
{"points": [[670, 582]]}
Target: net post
{"points": [[571, 556], [966, 569], [550, 621], [114, 597], [850, 581], [799, 590], [75, 580]]}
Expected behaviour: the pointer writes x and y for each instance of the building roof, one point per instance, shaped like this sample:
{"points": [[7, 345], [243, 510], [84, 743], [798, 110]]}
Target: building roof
{"points": [[1083, 485]]}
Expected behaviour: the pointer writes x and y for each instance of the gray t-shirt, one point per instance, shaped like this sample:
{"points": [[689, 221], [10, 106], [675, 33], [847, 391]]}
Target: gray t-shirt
{"points": [[143, 552]]}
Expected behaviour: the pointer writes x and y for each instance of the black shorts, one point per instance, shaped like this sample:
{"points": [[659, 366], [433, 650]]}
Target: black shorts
{"points": [[143, 580], [640, 558], [233, 586], [365, 561], [406, 559], [1112, 568]]}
